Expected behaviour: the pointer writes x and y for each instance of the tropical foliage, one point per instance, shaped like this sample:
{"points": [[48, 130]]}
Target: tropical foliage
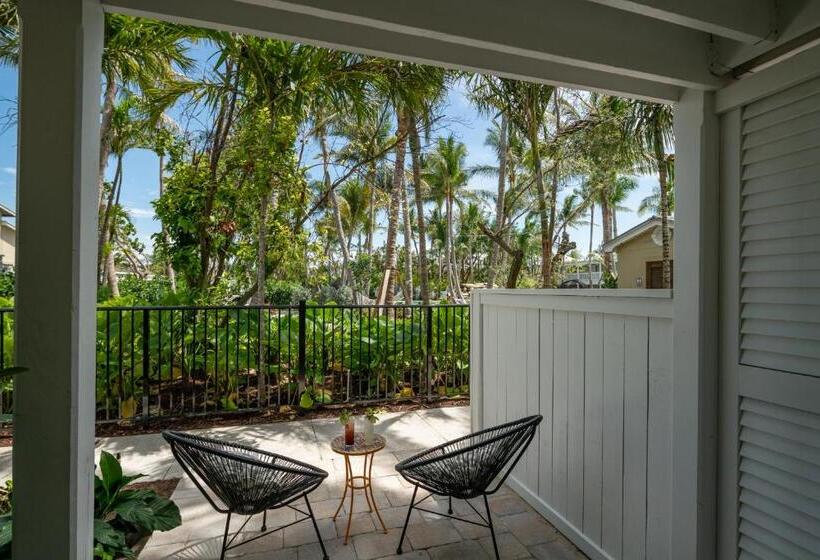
{"points": [[123, 514]]}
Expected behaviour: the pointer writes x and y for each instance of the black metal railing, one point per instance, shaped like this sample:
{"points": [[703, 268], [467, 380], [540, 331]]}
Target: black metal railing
{"points": [[185, 360]]}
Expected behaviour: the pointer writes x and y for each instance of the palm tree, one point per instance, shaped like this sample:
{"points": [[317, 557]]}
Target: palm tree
{"points": [[527, 105], [651, 125], [410, 89], [447, 178]]}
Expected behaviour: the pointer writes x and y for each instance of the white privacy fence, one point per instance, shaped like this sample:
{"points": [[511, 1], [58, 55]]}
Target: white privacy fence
{"points": [[598, 367]]}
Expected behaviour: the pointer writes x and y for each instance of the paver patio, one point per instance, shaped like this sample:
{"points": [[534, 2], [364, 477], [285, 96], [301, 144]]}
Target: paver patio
{"points": [[522, 533]]}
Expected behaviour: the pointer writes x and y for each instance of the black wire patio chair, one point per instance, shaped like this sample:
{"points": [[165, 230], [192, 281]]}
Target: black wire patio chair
{"points": [[237, 479], [468, 467]]}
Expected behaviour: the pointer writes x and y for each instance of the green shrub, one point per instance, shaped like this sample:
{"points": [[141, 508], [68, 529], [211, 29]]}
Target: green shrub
{"points": [[7, 284], [280, 292], [609, 280]]}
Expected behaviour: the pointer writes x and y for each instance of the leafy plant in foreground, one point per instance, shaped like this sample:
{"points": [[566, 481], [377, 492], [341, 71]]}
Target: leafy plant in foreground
{"points": [[122, 515]]}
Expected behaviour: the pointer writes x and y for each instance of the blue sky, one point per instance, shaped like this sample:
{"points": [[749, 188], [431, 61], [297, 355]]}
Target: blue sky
{"points": [[140, 167]]}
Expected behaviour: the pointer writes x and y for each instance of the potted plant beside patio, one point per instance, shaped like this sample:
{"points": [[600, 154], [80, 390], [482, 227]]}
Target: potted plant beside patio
{"points": [[370, 419]]}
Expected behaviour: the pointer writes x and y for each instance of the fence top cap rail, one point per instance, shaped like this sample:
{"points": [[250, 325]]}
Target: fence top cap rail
{"points": [[587, 293], [265, 307]]}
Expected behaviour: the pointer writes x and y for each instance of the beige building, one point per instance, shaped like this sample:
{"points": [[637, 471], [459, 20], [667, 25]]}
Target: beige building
{"points": [[639, 254], [8, 238]]}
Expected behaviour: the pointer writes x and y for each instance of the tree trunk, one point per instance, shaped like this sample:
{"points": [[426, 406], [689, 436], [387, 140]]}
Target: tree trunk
{"points": [[663, 180], [424, 271], [393, 209], [453, 284], [109, 98], [546, 257], [334, 202], [553, 202], [606, 217], [371, 183], [591, 233], [169, 268], [407, 285], [492, 263], [105, 223]]}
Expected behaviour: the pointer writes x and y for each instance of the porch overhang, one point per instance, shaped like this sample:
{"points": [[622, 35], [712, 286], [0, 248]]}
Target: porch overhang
{"points": [[650, 49]]}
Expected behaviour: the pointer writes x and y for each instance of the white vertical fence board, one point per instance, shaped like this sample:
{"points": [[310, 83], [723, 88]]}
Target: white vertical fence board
{"points": [[593, 425], [560, 408], [613, 436], [636, 346], [490, 367], [600, 467], [516, 379], [575, 432], [545, 366], [659, 457], [532, 338]]}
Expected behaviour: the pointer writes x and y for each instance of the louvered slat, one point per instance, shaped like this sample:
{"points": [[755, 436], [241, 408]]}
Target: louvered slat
{"points": [[780, 231], [779, 480]]}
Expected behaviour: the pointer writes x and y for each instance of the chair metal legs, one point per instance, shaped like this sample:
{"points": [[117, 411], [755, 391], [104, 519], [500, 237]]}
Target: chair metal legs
{"points": [[316, 526], [488, 522], [228, 543], [225, 538], [407, 520]]}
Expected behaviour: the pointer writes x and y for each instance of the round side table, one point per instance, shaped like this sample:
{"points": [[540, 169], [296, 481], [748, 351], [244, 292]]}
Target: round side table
{"points": [[362, 481]]}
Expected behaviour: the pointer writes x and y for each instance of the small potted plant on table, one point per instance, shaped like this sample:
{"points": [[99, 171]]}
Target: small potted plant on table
{"points": [[346, 420], [370, 419]]}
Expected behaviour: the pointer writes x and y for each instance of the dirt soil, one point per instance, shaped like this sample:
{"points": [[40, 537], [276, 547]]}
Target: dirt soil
{"points": [[284, 414]]}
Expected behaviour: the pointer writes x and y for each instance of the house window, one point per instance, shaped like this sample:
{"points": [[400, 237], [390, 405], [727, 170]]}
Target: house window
{"points": [[654, 274]]}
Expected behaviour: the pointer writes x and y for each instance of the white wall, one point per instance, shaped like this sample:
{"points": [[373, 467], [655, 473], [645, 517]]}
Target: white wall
{"points": [[599, 369]]}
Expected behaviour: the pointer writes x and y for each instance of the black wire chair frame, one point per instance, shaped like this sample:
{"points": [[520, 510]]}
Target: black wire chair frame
{"points": [[465, 468], [246, 481]]}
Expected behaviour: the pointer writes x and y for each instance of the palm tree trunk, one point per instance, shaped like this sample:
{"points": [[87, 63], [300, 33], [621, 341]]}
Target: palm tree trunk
{"points": [[591, 233], [424, 271], [105, 223], [606, 217], [393, 209], [547, 281], [371, 183], [334, 201], [454, 286], [492, 264], [109, 98], [407, 285], [663, 180], [543, 212], [169, 268]]}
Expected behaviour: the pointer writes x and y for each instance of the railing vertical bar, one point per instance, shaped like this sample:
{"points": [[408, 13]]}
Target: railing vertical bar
{"points": [[171, 354], [120, 365], [146, 363], [132, 389], [107, 362]]}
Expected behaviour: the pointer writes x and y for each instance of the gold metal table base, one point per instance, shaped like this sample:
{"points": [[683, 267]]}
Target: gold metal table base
{"points": [[362, 482]]}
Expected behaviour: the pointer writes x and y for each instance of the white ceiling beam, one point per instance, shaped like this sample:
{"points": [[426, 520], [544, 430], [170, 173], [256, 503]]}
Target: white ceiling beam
{"points": [[570, 32], [249, 18], [795, 19], [747, 21]]}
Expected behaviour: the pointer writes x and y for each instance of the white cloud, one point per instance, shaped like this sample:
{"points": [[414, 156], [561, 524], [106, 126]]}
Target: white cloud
{"points": [[141, 212], [10, 170]]}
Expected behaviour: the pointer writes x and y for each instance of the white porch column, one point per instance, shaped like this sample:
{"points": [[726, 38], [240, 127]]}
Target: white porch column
{"points": [[694, 422], [55, 302]]}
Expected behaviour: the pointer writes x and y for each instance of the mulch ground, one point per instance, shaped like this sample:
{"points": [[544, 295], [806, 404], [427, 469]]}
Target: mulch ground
{"points": [[285, 414]]}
